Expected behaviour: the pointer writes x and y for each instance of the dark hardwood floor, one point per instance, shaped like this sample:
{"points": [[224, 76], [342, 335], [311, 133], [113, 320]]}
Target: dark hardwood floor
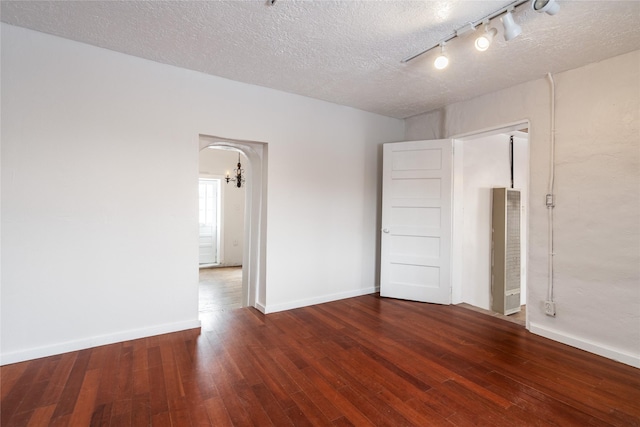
{"points": [[519, 318], [363, 361]]}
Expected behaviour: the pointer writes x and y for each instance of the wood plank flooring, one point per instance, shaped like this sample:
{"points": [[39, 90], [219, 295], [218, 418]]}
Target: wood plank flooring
{"points": [[219, 289], [364, 361], [519, 318]]}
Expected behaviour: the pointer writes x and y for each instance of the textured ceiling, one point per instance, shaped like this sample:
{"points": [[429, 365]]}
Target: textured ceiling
{"points": [[346, 52]]}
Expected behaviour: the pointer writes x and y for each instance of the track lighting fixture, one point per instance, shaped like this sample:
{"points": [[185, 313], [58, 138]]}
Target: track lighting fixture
{"points": [[484, 40], [511, 29], [482, 43], [441, 61], [548, 6]]}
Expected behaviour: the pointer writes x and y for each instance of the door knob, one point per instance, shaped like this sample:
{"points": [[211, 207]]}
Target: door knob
{"points": [[385, 230]]}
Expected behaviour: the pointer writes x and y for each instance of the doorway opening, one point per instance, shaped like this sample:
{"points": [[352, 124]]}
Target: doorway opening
{"points": [[221, 225], [248, 248], [498, 158]]}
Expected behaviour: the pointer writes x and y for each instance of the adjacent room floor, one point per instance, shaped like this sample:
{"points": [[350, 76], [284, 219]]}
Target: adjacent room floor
{"points": [[220, 289]]}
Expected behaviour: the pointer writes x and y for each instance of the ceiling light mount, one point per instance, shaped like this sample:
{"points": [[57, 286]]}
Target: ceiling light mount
{"points": [[511, 29], [548, 6], [484, 40], [469, 28], [442, 60]]}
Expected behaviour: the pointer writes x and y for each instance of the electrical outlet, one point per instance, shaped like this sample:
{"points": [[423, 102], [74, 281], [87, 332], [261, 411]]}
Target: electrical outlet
{"points": [[550, 308]]}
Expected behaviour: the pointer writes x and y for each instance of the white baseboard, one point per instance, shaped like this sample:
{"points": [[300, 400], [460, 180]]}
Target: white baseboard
{"points": [[81, 344], [587, 345], [261, 307], [274, 308]]}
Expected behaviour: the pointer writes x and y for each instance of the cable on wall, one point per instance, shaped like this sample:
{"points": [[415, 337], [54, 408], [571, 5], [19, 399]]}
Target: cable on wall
{"points": [[549, 304], [511, 158]]}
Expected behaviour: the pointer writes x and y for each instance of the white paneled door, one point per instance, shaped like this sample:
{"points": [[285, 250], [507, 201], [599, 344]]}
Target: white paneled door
{"points": [[208, 217], [416, 221]]}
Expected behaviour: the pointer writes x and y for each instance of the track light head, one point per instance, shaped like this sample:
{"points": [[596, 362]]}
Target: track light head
{"points": [[441, 61], [484, 40], [548, 6], [511, 29]]}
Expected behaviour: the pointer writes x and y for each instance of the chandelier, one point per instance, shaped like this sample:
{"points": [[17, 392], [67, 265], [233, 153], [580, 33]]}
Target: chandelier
{"points": [[239, 175]]}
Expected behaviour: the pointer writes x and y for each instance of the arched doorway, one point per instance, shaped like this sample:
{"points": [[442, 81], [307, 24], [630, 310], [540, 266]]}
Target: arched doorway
{"points": [[253, 265]]}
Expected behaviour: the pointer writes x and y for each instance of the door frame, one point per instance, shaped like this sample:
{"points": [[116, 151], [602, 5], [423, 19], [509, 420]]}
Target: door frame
{"points": [[255, 242], [458, 202]]}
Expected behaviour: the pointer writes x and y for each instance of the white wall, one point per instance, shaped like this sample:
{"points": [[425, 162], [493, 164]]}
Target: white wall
{"points": [[99, 193], [216, 163], [597, 238], [485, 166]]}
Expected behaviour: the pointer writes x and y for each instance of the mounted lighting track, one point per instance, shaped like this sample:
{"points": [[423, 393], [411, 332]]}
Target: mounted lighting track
{"points": [[470, 26]]}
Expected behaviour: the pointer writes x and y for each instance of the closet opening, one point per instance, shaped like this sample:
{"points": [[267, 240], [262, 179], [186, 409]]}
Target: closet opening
{"points": [[496, 159]]}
